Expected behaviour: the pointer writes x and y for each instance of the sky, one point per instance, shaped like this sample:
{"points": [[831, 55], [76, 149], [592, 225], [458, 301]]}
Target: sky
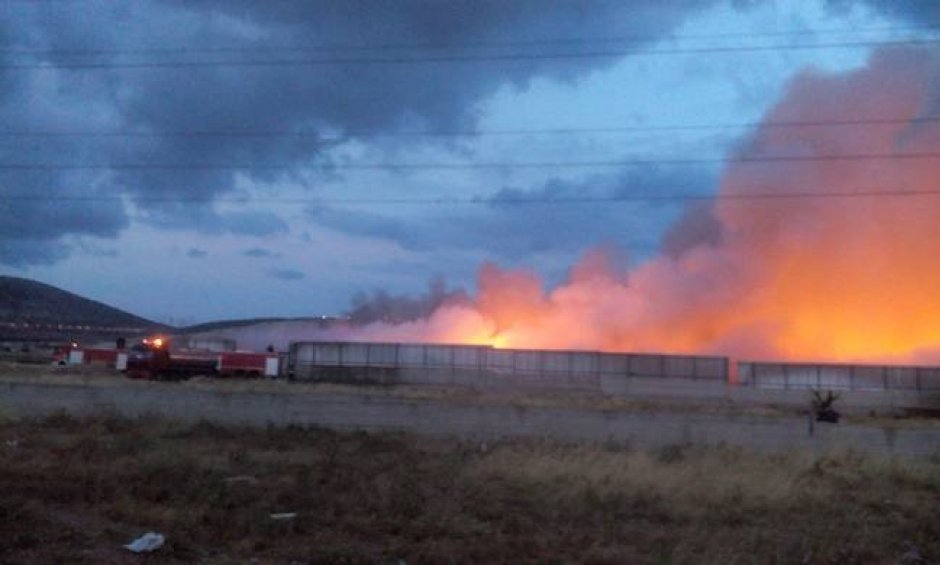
{"points": [[196, 161]]}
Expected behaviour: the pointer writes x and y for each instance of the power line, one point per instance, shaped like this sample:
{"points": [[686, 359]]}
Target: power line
{"points": [[506, 57], [332, 139], [561, 41], [767, 159], [488, 201]]}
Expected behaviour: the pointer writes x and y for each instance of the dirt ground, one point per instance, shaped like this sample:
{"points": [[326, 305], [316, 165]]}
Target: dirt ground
{"points": [[76, 491]]}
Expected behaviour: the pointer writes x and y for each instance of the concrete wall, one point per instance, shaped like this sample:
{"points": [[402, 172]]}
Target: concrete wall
{"points": [[382, 413]]}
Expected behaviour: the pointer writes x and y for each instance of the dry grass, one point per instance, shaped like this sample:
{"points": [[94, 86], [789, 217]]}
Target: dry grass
{"points": [[75, 491]]}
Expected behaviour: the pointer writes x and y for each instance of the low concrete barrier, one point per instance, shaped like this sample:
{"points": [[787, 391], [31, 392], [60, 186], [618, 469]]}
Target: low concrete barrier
{"points": [[643, 429]]}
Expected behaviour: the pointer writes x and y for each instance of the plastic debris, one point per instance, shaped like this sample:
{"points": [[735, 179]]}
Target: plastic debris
{"points": [[283, 515], [151, 541]]}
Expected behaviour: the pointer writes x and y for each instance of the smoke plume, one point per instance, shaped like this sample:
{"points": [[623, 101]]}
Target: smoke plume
{"points": [[798, 258]]}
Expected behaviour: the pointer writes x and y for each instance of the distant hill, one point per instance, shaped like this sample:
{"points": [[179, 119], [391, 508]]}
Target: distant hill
{"points": [[34, 310]]}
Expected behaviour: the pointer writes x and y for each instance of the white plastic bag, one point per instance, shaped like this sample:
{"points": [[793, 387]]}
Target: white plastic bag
{"points": [[151, 541]]}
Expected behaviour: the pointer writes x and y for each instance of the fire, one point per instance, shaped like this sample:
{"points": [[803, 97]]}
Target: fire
{"points": [[832, 274]]}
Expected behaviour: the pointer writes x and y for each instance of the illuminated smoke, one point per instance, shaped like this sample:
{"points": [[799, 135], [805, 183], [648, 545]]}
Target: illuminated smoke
{"points": [[758, 273]]}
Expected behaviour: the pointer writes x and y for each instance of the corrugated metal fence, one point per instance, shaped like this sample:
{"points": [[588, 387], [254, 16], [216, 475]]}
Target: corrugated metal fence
{"points": [[403, 363], [838, 377], [467, 364]]}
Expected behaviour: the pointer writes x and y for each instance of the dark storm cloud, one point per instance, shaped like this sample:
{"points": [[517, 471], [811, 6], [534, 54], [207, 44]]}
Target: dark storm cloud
{"points": [[160, 103], [21, 251], [260, 253], [287, 274], [204, 220], [560, 216]]}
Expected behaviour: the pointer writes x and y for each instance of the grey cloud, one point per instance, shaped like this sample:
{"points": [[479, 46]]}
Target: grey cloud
{"points": [[560, 215], [195, 253], [287, 274], [161, 102], [204, 219], [259, 253], [23, 252]]}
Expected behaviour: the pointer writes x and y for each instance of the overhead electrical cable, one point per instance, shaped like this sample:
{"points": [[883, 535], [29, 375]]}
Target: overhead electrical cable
{"points": [[493, 44], [347, 135], [501, 57], [762, 159], [490, 201]]}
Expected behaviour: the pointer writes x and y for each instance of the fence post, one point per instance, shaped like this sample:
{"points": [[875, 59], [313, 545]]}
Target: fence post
{"points": [[540, 369], [596, 373]]}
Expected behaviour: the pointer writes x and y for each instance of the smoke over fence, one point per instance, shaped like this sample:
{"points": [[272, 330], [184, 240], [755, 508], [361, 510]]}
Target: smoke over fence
{"points": [[821, 244]]}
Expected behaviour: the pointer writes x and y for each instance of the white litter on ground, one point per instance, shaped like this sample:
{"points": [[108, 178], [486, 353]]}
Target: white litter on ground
{"points": [[151, 541]]}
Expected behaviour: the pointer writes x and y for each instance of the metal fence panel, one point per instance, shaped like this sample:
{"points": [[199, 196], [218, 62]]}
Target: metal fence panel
{"points": [[868, 377], [834, 377], [613, 364], [801, 376], [928, 378], [354, 354], [646, 365], [527, 362], [302, 353], [327, 354], [678, 367], [838, 377], [745, 375], [901, 377], [768, 375], [468, 357], [711, 368], [382, 354], [556, 362], [499, 360], [583, 363], [411, 355], [440, 356]]}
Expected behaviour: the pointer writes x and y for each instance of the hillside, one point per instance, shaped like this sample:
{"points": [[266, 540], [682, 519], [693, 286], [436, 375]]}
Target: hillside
{"points": [[34, 310]]}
